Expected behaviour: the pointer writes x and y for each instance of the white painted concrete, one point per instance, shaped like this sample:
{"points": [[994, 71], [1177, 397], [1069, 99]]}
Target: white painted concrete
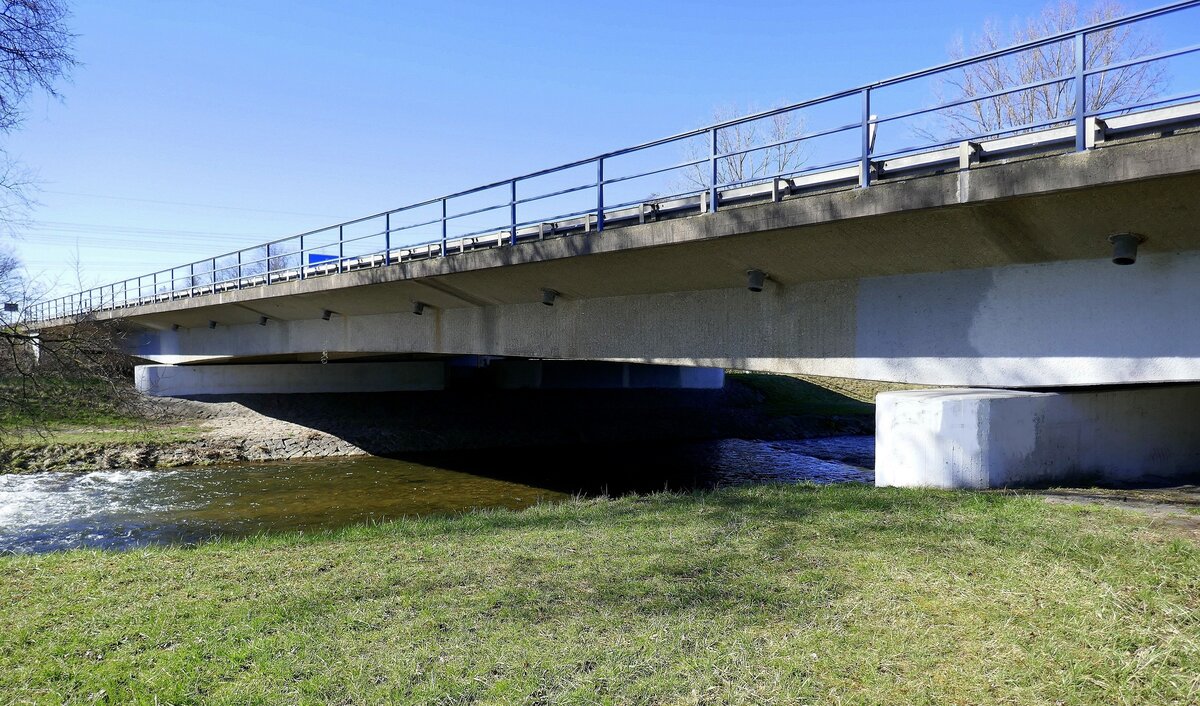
{"points": [[1076, 322], [192, 380], [970, 438]]}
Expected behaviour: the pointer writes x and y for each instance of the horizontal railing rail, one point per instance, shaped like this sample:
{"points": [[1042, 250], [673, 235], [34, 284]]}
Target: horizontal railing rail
{"points": [[712, 171]]}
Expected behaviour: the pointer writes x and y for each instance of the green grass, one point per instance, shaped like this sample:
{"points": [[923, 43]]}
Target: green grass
{"points": [[62, 402], [775, 594], [104, 436], [791, 395], [67, 412]]}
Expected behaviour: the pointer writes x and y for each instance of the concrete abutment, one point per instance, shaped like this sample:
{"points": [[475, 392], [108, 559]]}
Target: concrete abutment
{"points": [[981, 438]]}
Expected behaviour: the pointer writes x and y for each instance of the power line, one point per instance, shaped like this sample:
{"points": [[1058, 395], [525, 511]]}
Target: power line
{"points": [[185, 203], [101, 228]]}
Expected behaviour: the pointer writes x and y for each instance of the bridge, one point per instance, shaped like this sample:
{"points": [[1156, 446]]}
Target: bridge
{"points": [[986, 260]]}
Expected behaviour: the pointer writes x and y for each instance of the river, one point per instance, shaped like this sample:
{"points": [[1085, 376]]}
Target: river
{"points": [[125, 509]]}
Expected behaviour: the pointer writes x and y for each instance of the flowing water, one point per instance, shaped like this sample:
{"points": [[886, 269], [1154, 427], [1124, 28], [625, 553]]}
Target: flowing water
{"points": [[124, 509]]}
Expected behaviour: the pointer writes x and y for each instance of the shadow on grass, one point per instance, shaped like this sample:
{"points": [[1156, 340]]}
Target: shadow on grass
{"points": [[698, 553]]}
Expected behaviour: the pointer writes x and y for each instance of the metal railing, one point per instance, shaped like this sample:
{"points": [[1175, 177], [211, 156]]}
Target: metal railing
{"points": [[594, 184]]}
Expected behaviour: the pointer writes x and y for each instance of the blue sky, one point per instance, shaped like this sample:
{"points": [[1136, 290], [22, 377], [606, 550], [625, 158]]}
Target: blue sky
{"points": [[191, 128]]}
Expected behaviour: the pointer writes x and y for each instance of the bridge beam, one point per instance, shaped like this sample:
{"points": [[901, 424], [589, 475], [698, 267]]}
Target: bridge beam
{"points": [[976, 438], [1076, 322], [300, 378]]}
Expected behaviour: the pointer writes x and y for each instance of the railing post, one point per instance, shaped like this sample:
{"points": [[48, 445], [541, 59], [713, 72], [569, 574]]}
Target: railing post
{"points": [[444, 207], [239, 284], [1080, 91], [864, 172], [712, 170], [302, 267], [599, 194], [387, 237], [512, 209], [341, 249]]}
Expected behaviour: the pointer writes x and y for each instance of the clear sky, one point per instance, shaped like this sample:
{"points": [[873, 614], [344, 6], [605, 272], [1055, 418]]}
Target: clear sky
{"points": [[193, 128]]}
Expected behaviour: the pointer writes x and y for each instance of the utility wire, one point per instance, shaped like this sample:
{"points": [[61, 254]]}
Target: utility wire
{"points": [[185, 203]]}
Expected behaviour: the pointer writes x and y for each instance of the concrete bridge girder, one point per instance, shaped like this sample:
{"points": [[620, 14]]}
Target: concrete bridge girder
{"points": [[1000, 281], [1041, 209], [1054, 324]]}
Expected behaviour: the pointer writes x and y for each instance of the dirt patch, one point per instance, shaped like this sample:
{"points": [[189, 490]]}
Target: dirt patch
{"points": [[1177, 507]]}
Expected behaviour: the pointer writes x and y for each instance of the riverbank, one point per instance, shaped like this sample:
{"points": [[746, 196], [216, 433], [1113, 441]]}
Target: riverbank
{"points": [[211, 430], [770, 594]]}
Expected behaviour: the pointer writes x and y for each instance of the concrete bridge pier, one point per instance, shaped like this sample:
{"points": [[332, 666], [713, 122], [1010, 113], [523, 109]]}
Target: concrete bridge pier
{"points": [[993, 438]]}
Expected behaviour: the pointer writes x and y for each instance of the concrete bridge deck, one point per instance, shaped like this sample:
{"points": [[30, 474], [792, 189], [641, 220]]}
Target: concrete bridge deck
{"points": [[924, 279]]}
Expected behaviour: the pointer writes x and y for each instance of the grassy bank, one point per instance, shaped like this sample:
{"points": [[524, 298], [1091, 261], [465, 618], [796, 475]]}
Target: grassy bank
{"points": [[62, 412], [106, 435], [843, 594], [61, 402]]}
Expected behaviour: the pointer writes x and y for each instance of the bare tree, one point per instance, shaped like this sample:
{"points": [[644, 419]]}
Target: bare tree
{"points": [[1057, 99], [78, 366], [35, 54], [744, 163], [76, 370]]}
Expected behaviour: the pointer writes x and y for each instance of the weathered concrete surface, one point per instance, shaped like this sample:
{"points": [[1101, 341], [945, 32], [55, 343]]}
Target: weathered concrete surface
{"points": [[963, 438], [1065, 323], [191, 380], [997, 275]]}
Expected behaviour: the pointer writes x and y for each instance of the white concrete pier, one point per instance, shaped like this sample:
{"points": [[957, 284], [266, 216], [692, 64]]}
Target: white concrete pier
{"points": [[976, 438]]}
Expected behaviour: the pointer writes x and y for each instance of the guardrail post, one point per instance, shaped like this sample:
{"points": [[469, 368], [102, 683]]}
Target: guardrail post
{"points": [[239, 284], [387, 237], [1080, 91], [512, 209], [599, 195], [864, 173], [341, 249], [302, 268], [712, 171], [444, 227]]}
